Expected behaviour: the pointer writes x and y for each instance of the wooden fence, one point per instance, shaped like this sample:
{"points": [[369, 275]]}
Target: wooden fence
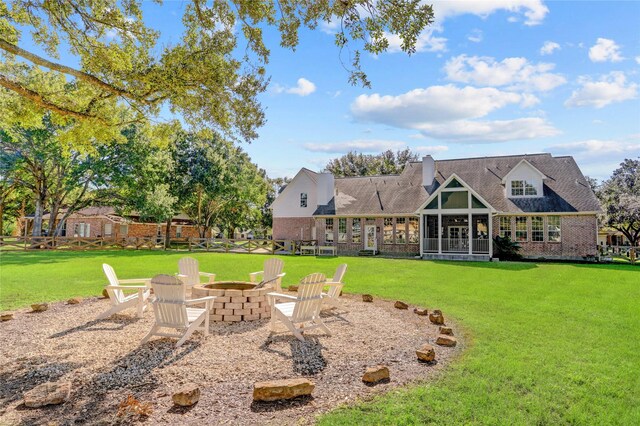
{"points": [[218, 245]]}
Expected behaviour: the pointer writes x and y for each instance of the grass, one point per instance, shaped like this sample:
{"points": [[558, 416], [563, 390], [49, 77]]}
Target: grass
{"points": [[546, 343]]}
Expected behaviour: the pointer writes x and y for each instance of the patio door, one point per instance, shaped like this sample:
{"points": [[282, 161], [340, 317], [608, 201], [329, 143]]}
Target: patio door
{"points": [[370, 240], [458, 238]]}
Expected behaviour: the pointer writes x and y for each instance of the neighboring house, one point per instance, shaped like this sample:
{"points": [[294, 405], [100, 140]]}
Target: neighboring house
{"points": [[608, 237], [102, 221], [447, 209]]}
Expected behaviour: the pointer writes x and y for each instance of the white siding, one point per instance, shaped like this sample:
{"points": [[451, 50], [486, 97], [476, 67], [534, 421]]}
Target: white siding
{"points": [[288, 202]]}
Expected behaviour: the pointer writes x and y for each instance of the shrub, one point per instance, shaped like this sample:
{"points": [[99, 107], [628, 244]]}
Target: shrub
{"points": [[505, 249]]}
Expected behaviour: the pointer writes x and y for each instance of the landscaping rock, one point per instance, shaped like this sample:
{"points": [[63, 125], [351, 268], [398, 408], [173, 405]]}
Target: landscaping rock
{"points": [[436, 317], [444, 340], [426, 353], [105, 293], [376, 374], [367, 298], [6, 316], [421, 312], [39, 307], [275, 390], [401, 305], [74, 300], [186, 395], [293, 288], [47, 394], [446, 330]]}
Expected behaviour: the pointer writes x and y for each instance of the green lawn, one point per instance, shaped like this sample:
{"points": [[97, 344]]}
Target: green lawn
{"points": [[546, 343]]}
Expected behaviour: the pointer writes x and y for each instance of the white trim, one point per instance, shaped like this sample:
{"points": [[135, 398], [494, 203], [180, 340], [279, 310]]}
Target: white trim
{"points": [[442, 187], [505, 178]]}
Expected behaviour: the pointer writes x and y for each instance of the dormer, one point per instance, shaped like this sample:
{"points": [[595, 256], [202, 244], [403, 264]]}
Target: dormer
{"points": [[523, 181]]}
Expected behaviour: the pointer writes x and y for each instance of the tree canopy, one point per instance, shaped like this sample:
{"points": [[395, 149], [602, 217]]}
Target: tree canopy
{"points": [[620, 198], [207, 78], [358, 164]]}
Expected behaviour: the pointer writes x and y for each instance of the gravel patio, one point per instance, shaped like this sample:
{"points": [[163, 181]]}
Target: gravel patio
{"points": [[105, 363]]}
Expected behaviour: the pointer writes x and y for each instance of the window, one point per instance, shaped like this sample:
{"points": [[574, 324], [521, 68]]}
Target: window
{"points": [[414, 230], [178, 231], [553, 229], [455, 200], [521, 188], [537, 228], [517, 188], [356, 231], [521, 228], [107, 229], [401, 230], [328, 230], [82, 229], [433, 204], [454, 184], [124, 230], [303, 199], [505, 227], [342, 230], [477, 204], [387, 235]]}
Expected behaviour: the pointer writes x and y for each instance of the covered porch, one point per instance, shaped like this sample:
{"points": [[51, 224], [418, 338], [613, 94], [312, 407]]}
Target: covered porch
{"points": [[456, 224]]}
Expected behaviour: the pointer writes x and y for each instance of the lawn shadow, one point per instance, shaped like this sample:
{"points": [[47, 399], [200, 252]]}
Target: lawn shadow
{"points": [[499, 266], [59, 256]]}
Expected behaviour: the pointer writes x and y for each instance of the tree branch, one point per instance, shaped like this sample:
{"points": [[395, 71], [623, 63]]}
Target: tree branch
{"points": [[38, 60], [39, 100]]}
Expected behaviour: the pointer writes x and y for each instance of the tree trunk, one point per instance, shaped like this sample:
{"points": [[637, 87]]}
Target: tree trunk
{"points": [[167, 235], [37, 216], [2, 216]]}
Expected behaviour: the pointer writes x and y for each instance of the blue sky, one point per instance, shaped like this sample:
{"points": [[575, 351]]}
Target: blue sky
{"points": [[489, 78]]}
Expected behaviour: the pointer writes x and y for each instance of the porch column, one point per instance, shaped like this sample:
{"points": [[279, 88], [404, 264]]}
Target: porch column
{"points": [[439, 233], [421, 230], [490, 220], [470, 231]]}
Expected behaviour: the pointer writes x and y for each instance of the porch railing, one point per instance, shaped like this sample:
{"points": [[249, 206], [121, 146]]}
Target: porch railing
{"points": [[456, 245]]}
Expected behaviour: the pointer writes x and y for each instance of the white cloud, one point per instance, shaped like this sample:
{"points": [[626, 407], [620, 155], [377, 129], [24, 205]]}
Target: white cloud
{"points": [[605, 50], [450, 112], [426, 42], [475, 36], [598, 148], [424, 150], [534, 11], [549, 47], [638, 60], [491, 131], [361, 145], [514, 73], [303, 88], [610, 88]]}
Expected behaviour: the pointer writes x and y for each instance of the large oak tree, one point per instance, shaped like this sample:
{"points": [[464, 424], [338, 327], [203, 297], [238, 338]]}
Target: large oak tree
{"points": [[210, 77]]}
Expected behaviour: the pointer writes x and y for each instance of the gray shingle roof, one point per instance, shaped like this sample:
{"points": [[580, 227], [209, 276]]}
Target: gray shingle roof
{"points": [[565, 189]]}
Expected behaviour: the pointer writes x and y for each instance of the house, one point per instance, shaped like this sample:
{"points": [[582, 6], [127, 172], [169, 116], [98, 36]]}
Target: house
{"points": [[103, 221], [447, 209]]}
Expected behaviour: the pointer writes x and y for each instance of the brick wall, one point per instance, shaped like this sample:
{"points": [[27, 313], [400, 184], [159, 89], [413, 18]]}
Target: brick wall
{"points": [[577, 240], [97, 228], [289, 228]]}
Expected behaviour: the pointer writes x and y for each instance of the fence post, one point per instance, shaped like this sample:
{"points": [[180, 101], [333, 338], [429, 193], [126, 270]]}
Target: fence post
{"points": [[189, 240]]}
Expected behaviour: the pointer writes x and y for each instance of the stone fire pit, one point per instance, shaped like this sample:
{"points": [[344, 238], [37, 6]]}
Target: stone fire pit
{"points": [[236, 300]]}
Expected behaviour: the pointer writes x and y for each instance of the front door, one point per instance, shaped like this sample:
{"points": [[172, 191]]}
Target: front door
{"points": [[370, 240], [458, 238]]}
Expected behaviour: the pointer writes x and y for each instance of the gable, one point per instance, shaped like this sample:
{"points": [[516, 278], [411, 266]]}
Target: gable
{"points": [[455, 193], [287, 203]]}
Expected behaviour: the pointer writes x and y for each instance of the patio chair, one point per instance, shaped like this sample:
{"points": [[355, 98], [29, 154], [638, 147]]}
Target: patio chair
{"points": [[172, 310], [302, 313], [121, 301], [189, 272], [335, 287], [271, 274]]}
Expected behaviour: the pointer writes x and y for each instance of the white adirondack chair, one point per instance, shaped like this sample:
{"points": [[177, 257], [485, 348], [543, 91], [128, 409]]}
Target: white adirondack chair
{"points": [[172, 310], [121, 301], [189, 272], [302, 313], [272, 274], [335, 287]]}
